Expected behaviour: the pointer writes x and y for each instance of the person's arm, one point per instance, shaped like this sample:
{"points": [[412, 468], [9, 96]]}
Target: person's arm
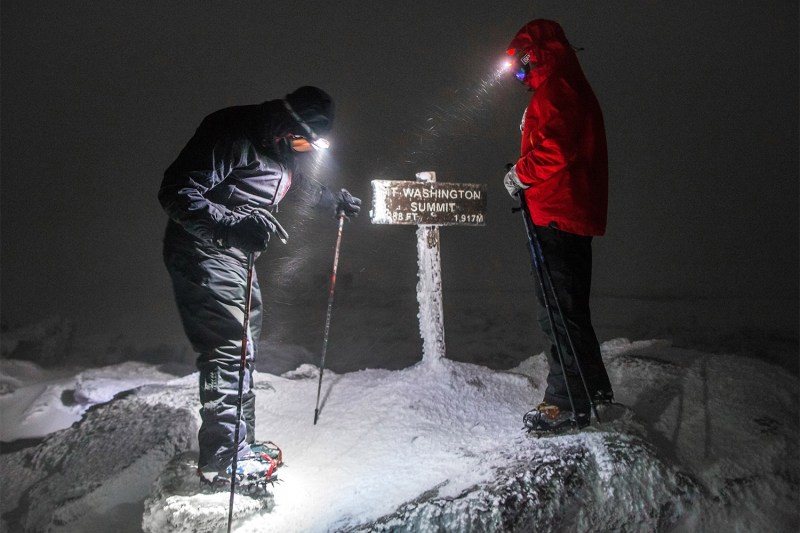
{"points": [[331, 202], [554, 141], [206, 160]]}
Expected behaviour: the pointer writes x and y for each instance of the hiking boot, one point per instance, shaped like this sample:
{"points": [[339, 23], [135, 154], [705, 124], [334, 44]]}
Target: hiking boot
{"points": [[252, 470], [547, 418], [603, 397]]}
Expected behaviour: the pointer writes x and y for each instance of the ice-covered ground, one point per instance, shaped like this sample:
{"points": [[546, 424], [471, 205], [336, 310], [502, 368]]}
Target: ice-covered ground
{"points": [[706, 442]]}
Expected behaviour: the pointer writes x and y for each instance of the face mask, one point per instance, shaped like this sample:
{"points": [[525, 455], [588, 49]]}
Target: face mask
{"points": [[300, 144]]}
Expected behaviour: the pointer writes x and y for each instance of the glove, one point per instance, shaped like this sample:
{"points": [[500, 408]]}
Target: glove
{"points": [[249, 234], [347, 204], [512, 183]]}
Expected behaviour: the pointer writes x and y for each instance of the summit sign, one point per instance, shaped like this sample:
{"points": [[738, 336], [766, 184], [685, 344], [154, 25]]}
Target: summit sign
{"points": [[428, 203]]}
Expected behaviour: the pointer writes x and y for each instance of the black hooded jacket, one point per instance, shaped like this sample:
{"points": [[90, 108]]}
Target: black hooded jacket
{"points": [[236, 161]]}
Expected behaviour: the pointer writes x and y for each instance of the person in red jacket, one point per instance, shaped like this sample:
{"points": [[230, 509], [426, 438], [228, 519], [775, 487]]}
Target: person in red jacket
{"points": [[562, 175]]}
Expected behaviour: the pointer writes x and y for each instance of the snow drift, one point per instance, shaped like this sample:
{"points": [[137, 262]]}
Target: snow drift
{"points": [[436, 446]]}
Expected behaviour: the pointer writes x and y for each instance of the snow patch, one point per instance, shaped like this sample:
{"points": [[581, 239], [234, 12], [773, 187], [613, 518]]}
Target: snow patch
{"points": [[432, 446], [179, 503]]}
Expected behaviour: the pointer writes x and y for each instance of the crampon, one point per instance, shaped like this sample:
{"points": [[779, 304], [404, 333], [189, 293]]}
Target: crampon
{"points": [[253, 473], [546, 420]]}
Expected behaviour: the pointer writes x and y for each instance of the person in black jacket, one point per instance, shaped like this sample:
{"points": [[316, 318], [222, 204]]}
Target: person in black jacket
{"points": [[221, 194]]}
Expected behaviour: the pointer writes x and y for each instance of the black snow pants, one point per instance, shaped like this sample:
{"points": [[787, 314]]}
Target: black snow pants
{"points": [[569, 258], [210, 286]]}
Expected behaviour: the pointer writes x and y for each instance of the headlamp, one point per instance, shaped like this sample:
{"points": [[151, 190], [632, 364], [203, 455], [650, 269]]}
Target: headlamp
{"points": [[320, 143], [312, 141]]}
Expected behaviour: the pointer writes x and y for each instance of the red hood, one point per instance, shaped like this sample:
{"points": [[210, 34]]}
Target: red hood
{"points": [[550, 50]]}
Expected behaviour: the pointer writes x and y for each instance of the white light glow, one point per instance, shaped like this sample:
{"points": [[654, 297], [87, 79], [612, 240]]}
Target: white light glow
{"points": [[321, 144]]}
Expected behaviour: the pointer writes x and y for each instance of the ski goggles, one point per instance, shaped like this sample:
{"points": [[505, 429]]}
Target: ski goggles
{"points": [[520, 66], [304, 143]]}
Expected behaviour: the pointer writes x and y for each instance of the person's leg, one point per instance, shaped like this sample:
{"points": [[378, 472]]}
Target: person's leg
{"points": [[569, 258], [579, 317], [210, 294]]}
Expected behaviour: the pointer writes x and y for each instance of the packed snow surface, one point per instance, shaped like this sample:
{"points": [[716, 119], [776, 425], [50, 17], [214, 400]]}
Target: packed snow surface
{"points": [[701, 442]]}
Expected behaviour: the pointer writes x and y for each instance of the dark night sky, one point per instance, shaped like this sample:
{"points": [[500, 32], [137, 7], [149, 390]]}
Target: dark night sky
{"points": [[700, 102]]}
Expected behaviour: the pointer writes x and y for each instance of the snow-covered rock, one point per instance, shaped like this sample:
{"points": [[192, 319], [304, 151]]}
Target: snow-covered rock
{"points": [[103, 466], [706, 442], [594, 481]]}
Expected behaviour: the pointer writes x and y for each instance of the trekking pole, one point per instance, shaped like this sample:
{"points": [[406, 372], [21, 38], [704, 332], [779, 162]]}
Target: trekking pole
{"points": [[242, 365], [341, 217], [542, 273]]}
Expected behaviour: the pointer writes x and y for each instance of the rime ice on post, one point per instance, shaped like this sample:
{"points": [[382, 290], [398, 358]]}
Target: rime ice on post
{"points": [[429, 204], [429, 286]]}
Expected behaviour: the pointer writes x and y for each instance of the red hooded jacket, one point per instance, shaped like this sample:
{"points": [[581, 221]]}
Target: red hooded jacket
{"points": [[563, 158]]}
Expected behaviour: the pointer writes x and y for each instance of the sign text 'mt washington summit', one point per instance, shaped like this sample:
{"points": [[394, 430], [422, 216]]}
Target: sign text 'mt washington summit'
{"points": [[438, 203]]}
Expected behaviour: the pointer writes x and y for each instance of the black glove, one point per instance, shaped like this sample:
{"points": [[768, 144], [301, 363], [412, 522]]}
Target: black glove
{"points": [[347, 204], [249, 234]]}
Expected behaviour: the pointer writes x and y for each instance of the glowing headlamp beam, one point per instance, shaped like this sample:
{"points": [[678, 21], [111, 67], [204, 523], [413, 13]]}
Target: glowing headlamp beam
{"points": [[321, 144]]}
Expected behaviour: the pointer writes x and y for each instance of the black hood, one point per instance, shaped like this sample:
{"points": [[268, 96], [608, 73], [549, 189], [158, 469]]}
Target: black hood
{"points": [[314, 106]]}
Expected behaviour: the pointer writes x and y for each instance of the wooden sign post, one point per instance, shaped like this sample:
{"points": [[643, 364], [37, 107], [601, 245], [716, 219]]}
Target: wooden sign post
{"points": [[429, 204]]}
